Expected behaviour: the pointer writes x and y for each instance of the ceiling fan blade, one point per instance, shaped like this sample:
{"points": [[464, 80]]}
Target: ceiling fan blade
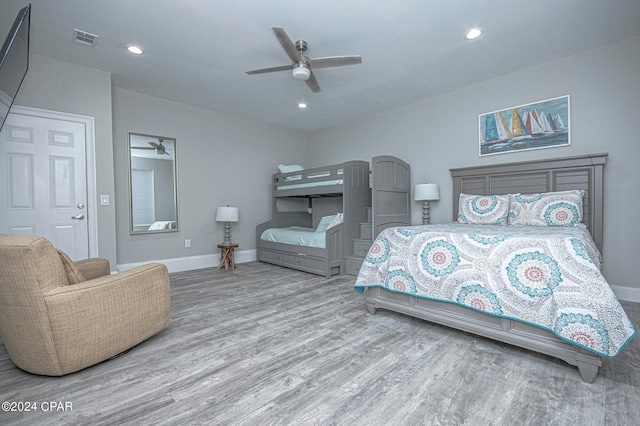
{"points": [[334, 61], [272, 69], [287, 44], [142, 147], [313, 83]]}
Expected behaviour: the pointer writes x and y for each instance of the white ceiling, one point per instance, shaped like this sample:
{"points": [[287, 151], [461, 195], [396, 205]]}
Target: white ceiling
{"points": [[197, 51]]}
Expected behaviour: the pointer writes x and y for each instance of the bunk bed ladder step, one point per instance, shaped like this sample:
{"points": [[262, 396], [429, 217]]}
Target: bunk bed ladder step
{"points": [[360, 246]]}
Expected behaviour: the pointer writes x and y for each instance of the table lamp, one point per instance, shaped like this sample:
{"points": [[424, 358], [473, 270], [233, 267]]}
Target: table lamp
{"points": [[227, 215], [426, 192]]}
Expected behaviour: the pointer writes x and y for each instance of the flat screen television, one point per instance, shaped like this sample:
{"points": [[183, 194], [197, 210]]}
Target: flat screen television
{"points": [[14, 61]]}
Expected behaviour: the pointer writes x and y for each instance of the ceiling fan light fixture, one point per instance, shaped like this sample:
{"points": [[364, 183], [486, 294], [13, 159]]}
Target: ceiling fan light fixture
{"points": [[301, 72], [301, 65]]}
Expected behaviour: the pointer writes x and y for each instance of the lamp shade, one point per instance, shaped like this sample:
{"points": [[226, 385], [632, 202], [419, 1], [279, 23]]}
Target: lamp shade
{"points": [[426, 191], [227, 214]]}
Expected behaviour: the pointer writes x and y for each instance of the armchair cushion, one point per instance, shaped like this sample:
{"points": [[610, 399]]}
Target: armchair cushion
{"points": [[73, 275], [93, 268], [100, 318]]}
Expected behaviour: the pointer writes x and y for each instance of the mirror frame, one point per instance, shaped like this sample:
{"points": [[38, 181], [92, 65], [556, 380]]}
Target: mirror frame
{"points": [[132, 230]]}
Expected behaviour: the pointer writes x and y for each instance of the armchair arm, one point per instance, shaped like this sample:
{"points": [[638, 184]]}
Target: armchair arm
{"points": [[93, 268], [102, 317]]}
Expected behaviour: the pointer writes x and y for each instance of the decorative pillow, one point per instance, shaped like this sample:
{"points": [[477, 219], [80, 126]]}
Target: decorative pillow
{"points": [[562, 208], [73, 275], [324, 223], [336, 220], [160, 225], [288, 168], [483, 209]]}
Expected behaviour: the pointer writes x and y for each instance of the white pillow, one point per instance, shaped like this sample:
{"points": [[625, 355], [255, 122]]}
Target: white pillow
{"points": [[323, 225], [159, 225], [288, 168], [336, 220]]}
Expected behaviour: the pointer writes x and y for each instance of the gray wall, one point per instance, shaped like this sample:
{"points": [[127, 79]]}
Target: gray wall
{"points": [[64, 87], [227, 160], [442, 133], [221, 160]]}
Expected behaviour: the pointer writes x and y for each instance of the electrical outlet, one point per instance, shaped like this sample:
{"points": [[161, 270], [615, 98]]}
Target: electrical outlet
{"points": [[187, 243]]}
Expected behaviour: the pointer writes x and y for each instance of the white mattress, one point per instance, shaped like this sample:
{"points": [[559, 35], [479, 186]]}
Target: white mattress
{"points": [[295, 235], [311, 184]]}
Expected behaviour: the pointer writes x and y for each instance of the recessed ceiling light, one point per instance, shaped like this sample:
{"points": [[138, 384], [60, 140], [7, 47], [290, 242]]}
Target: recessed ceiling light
{"points": [[473, 33], [302, 105], [135, 50]]}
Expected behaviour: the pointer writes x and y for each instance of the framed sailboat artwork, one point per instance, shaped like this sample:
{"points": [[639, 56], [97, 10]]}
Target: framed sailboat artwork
{"points": [[542, 124]]}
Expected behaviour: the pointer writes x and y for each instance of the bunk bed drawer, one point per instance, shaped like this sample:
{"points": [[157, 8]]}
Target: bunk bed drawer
{"points": [[353, 266], [361, 247], [301, 261]]}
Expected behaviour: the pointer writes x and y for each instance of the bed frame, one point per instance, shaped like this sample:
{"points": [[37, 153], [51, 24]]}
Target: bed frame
{"points": [[582, 172], [383, 187], [289, 208]]}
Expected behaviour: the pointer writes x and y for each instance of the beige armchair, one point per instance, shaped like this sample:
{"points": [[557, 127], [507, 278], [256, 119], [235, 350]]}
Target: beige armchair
{"points": [[59, 316]]}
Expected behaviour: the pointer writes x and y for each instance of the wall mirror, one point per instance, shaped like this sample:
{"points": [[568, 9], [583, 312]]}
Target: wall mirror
{"points": [[153, 195]]}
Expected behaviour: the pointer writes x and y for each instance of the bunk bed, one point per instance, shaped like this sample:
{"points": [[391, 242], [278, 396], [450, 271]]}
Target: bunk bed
{"points": [[473, 291], [301, 198]]}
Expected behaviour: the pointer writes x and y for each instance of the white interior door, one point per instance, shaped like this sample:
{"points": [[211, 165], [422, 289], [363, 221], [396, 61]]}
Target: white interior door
{"points": [[43, 187]]}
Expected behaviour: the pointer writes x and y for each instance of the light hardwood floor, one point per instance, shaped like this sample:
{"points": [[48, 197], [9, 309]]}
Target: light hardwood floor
{"points": [[267, 345]]}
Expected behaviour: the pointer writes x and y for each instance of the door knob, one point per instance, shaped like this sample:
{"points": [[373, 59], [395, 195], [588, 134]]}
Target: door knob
{"points": [[80, 216]]}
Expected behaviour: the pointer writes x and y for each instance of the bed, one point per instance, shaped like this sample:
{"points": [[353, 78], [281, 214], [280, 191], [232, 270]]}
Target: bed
{"points": [[368, 197], [537, 287], [301, 198]]}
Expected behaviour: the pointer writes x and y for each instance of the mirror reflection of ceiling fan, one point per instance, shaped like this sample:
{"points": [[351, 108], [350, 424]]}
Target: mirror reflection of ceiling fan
{"points": [[158, 147], [302, 67]]}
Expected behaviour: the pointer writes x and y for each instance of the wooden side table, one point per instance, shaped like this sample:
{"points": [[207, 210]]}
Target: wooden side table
{"points": [[226, 256]]}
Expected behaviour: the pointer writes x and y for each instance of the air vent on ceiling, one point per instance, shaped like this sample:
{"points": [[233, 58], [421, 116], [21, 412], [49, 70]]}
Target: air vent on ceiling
{"points": [[84, 38]]}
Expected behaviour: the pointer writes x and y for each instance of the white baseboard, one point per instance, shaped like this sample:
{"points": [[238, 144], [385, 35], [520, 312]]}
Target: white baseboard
{"points": [[180, 264], [629, 294]]}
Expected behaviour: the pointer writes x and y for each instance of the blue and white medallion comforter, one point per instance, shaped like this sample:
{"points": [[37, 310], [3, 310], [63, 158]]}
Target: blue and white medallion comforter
{"points": [[545, 276]]}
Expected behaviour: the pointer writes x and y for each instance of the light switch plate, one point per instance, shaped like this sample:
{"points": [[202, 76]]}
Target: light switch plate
{"points": [[104, 200]]}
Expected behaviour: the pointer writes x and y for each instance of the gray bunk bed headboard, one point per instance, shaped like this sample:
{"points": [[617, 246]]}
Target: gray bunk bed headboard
{"points": [[582, 172]]}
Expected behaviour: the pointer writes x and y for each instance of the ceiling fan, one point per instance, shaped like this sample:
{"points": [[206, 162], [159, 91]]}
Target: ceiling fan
{"points": [[158, 147], [302, 66]]}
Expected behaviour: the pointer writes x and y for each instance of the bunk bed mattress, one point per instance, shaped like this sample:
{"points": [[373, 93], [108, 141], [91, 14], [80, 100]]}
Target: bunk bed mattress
{"points": [[295, 235], [546, 277], [287, 185]]}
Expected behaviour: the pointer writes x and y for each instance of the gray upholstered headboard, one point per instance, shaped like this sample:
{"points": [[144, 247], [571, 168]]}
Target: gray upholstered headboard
{"points": [[583, 172]]}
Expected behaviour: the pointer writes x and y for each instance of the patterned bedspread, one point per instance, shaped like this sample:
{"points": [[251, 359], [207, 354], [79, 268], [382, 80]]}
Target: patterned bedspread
{"points": [[545, 276]]}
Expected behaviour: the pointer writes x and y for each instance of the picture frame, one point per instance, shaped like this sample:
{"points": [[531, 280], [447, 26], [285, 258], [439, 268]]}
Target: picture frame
{"points": [[536, 125]]}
